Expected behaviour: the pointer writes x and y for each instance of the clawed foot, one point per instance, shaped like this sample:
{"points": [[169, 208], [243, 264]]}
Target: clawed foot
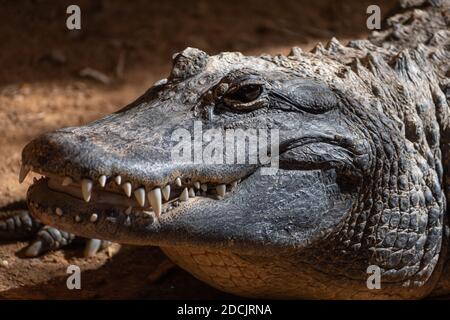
{"points": [[50, 239], [17, 223]]}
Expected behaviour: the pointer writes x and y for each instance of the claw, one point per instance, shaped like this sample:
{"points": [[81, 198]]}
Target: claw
{"points": [[93, 246], [34, 249]]}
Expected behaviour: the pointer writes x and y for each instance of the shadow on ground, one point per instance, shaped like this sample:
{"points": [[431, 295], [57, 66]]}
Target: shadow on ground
{"points": [[124, 276]]}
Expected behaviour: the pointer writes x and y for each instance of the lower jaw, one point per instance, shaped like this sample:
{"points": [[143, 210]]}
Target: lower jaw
{"points": [[222, 269]]}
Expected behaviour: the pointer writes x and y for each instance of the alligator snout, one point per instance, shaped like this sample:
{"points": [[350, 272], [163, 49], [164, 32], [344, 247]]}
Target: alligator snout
{"points": [[119, 168]]}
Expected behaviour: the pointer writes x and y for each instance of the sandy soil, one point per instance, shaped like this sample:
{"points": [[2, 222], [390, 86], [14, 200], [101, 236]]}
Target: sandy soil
{"points": [[41, 89]]}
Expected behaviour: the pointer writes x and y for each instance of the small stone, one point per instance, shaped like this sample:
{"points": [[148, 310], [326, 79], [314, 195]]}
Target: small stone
{"points": [[95, 75]]}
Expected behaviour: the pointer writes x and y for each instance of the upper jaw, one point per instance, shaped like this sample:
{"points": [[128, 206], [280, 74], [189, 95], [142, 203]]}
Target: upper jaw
{"points": [[83, 159], [90, 178], [159, 191]]}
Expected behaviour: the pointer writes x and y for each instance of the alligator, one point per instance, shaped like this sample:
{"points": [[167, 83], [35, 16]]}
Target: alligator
{"points": [[360, 183]]}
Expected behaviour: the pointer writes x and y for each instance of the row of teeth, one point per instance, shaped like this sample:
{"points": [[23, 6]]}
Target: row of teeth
{"points": [[154, 196], [59, 212]]}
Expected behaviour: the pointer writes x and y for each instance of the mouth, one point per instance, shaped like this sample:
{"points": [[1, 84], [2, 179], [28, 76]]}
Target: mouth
{"points": [[237, 214], [61, 200]]}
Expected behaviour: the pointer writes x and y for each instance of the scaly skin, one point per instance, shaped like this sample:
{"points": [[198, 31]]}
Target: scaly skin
{"points": [[16, 223], [363, 167]]}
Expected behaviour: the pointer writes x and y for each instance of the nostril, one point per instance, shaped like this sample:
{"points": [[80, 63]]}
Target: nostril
{"points": [[51, 150]]}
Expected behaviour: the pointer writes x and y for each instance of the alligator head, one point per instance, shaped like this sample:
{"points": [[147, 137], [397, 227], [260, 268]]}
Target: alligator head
{"points": [[347, 178]]}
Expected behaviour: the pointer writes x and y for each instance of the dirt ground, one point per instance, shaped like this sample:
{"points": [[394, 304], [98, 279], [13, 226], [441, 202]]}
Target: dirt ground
{"points": [[42, 88]]}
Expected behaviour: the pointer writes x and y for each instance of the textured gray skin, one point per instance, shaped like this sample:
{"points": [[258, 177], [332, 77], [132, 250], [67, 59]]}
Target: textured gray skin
{"points": [[364, 143], [16, 223]]}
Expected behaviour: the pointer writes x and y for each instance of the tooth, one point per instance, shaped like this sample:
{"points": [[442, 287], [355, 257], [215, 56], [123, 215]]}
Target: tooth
{"points": [[92, 247], [59, 212], [128, 210], [86, 189], [66, 181], [191, 193], [166, 192], [234, 184], [178, 182], [93, 217], [24, 170], [154, 197], [34, 249], [118, 180], [204, 187], [102, 181], [197, 185], [140, 196], [127, 188], [221, 189], [184, 195]]}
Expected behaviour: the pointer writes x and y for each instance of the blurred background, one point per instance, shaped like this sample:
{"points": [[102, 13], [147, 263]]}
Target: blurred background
{"points": [[52, 77]]}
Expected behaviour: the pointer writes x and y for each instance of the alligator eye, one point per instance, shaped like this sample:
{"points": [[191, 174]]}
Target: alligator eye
{"points": [[245, 94], [245, 97]]}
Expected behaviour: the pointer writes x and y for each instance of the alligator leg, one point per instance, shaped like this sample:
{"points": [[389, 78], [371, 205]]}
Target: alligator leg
{"points": [[16, 223]]}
